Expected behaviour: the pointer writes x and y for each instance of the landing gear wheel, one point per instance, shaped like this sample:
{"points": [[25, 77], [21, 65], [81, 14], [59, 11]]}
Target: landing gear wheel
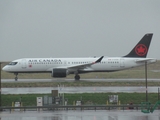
{"points": [[16, 78], [77, 77]]}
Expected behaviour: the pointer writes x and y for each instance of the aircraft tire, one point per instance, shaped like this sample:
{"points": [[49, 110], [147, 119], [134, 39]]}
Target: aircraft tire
{"points": [[16, 78], [77, 77]]}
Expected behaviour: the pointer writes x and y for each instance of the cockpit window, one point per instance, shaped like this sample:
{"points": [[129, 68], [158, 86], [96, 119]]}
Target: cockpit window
{"points": [[12, 63]]}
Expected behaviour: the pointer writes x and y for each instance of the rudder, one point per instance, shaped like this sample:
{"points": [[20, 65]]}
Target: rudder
{"points": [[141, 49]]}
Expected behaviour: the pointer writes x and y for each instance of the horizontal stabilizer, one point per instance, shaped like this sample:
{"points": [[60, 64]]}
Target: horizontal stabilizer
{"points": [[146, 60]]}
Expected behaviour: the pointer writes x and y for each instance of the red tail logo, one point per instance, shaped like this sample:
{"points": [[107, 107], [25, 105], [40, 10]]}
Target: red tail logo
{"points": [[141, 50]]}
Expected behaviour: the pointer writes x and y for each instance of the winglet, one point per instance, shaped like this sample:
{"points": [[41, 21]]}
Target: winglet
{"points": [[99, 60]]}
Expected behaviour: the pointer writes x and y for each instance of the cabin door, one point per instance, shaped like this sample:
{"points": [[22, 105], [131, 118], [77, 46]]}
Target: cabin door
{"points": [[122, 63], [24, 63]]}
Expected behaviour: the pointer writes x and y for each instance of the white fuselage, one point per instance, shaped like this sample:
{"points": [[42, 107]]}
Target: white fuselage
{"points": [[108, 64], [61, 67]]}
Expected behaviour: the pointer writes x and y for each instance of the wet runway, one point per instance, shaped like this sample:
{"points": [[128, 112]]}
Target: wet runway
{"points": [[62, 89], [80, 115], [83, 80]]}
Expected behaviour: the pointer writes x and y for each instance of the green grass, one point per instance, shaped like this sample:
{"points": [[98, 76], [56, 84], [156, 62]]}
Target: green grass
{"points": [[87, 98]]}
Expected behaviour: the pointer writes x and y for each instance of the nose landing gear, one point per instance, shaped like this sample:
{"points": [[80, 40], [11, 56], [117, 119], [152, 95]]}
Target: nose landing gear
{"points": [[16, 78]]}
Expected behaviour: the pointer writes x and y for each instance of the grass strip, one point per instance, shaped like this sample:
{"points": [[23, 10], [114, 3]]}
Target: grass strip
{"points": [[87, 98]]}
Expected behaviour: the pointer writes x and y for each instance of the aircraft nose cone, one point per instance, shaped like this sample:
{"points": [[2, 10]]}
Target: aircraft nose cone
{"points": [[5, 68]]}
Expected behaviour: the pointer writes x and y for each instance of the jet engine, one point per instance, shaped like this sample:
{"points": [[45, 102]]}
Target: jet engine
{"points": [[59, 72]]}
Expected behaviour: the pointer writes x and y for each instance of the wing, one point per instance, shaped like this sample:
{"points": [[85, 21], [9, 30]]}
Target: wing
{"points": [[82, 66]]}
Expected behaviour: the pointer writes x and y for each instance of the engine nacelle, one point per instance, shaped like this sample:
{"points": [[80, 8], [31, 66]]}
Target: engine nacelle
{"points": [[59, 72]]}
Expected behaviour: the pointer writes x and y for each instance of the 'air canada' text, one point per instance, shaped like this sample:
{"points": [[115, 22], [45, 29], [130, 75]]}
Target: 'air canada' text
{"points": [[46, 60]]}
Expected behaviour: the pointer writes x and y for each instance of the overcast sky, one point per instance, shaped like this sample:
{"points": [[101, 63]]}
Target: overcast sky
{"points": [[76, 28]]}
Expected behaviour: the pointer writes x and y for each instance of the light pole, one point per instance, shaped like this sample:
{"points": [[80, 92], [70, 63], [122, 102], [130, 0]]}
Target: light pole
{"points": [[146, 81], [0, 87]]}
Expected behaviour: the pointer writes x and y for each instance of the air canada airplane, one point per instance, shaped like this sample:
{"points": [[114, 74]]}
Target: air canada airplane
{"points": [[61, 67]]}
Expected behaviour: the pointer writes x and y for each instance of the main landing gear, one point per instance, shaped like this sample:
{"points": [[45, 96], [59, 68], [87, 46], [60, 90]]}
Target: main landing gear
{"points": [[16, 78], [77, 77]]}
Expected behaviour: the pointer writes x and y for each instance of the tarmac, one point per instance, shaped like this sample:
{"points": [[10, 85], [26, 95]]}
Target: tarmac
{"points": [[72, 80], [80, 115], [62, 89]]}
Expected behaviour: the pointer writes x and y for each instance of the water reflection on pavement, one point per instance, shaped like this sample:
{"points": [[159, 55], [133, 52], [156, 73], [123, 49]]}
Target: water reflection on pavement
{"points": [[79, 115]]}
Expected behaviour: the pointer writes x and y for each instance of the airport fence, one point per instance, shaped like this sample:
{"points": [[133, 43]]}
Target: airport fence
{"points": [[71, 107]]}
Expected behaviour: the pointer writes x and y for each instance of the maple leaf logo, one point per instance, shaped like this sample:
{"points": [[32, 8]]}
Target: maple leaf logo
{"points": [[141, 50], [30, 65]]}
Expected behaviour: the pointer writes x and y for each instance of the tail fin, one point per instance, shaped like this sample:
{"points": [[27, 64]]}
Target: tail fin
{"points": [[141, 49]]}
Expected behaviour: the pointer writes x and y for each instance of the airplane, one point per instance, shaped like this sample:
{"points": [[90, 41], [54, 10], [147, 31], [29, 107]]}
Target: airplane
{"points": [[61, 67]]}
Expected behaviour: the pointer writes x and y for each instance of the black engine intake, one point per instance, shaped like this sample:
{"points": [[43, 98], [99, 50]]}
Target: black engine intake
{"points": [[59, 72]]}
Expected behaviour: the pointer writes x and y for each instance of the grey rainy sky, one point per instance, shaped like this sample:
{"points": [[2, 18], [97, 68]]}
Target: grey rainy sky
{"points": [[76, 28]]}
